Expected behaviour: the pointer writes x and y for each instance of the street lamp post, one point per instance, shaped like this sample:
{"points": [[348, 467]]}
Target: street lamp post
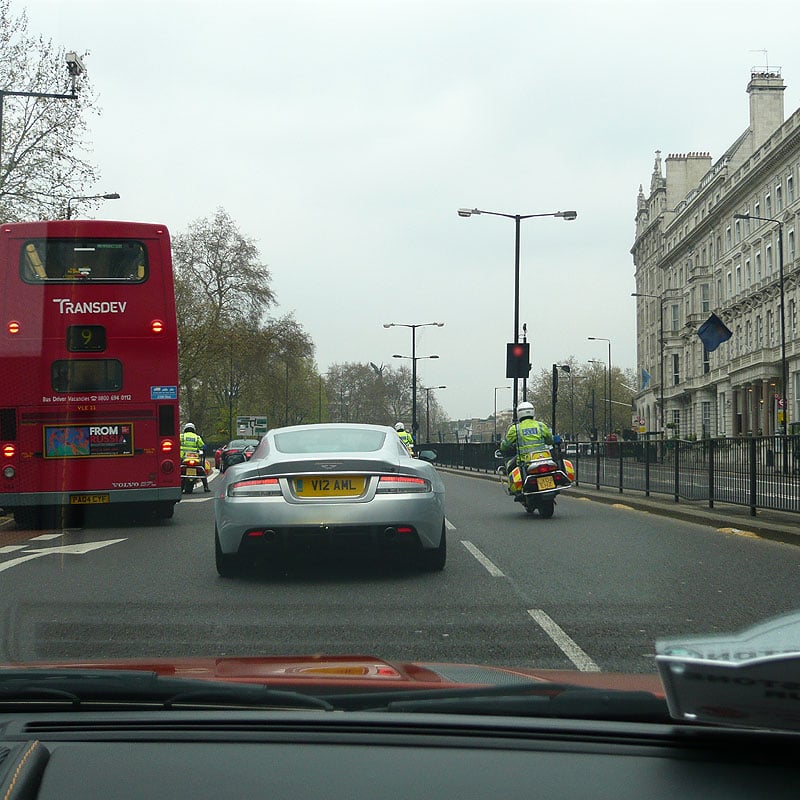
{"points": [[111, 196], [568, 215], [784, 366], [564, 368], [414, 358], [660, 299], [608, 396], [594, 383], [428, 391], [495, 408]]}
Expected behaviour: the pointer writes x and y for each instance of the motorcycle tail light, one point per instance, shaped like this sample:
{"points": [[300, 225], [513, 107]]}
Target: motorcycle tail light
{"points": [[541, 469]]}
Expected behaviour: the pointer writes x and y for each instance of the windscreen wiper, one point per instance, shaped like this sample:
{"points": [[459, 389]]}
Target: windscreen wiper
{"points": [[528, 700], [77, 688]]}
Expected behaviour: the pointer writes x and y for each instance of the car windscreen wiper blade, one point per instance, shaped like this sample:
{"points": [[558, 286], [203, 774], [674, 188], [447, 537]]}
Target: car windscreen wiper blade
{"points": [[137, 687], [528, 699]]}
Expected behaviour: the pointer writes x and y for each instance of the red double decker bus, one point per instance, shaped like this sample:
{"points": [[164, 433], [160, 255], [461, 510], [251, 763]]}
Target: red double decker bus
{"points": [[89, 368]]}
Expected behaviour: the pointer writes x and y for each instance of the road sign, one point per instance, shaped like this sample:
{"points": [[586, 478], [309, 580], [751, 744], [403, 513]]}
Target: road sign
{"points": [[251, 427]]}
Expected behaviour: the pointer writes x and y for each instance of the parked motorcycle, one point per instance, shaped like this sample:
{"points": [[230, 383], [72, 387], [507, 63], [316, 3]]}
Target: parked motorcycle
{"points": [[193, 468], [538, 480]]}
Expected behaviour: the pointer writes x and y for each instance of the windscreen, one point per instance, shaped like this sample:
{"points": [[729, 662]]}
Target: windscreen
{"points": [[83, 261], [332, 440]]}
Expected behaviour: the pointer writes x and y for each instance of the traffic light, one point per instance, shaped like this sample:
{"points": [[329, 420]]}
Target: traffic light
{"points": [[518, 360]]}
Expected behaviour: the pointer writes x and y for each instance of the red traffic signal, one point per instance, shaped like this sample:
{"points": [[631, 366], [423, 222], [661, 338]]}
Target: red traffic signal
{"points": [[518, 361]]}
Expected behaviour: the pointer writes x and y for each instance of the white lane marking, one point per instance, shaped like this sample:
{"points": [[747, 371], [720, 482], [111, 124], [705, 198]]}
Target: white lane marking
{"points": [[12, 548], [493, 570], [46, 537], [571, 650], [70, 549], [449, 525]]}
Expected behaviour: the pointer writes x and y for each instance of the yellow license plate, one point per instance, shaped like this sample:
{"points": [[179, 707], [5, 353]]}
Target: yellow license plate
{"points": [[329, 486], [545, 483], [190, 471], [540, 455], [87, 499]]}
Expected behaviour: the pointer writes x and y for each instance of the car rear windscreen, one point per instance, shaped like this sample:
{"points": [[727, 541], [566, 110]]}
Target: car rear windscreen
{"points": [[335, 440]]}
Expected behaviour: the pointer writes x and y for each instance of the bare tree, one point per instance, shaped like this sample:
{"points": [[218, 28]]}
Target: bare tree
{"points": [[44, 141]]}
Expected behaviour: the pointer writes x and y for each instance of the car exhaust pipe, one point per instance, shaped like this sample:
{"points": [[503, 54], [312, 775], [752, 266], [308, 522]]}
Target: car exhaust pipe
{"points": [[390, 533], [270, 535]]}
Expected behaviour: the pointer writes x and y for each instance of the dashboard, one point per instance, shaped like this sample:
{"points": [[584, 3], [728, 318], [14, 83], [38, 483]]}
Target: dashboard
{"points": [[189, 755]]}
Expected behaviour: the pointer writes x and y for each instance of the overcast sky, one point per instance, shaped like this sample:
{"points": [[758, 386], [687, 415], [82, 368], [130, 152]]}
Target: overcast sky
{"points": [[343, 137]]}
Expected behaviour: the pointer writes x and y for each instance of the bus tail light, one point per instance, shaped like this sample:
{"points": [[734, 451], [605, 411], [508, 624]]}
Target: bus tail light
{"points": [[13, 327], [9, 451], [167, 445], [157, 326]]}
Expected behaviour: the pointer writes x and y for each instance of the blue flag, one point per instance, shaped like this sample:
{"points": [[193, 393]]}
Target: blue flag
{"points": [[645, 379], [713, 332]]}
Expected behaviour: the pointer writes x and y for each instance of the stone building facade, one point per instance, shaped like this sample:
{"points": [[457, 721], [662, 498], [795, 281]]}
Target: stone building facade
{"points": [[695, 255]]}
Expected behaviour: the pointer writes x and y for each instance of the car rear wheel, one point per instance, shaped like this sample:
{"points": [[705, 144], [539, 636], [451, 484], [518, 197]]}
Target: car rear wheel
{"points": [[434, 560], [229, 565]]}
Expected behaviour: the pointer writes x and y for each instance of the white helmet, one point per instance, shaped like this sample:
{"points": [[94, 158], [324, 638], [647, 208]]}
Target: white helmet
{"points": [[525, 410], [189, 426], [399, 426]]}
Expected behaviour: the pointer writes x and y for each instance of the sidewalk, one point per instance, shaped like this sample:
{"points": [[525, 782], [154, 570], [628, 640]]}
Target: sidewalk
{"points": [[774, 525]]}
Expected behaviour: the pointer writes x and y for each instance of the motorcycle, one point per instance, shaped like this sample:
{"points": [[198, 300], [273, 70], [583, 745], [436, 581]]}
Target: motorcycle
{"points": [[193, 467], [537, 481]]}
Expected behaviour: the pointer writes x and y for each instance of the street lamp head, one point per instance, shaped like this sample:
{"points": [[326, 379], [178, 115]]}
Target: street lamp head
{"points": [[388, 324], [112, 196], [741, 216], [566, 214], [439, 324], [399, 356], [468, 212], [75, 65]]}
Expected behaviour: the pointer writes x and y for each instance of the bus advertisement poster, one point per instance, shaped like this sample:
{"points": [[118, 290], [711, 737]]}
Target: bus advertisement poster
{"points": [[81, 441]]}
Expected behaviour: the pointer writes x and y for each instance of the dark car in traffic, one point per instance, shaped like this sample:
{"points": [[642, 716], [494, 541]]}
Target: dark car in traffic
{"points": [[223, 457]]}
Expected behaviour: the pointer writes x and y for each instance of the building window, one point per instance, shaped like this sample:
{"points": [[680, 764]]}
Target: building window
{"points": [[770, 328], [790, 242], [676, 422], [759, 332], [737, 231], [706, 361], [705, 412], [758, 265], [728, 238], [790, 188], [705, 301], [792, 319], [748, 276], [769, 259], [757, 209], [676, 315], [721, 428], [738, 278], [768, 205], [778, 198], [730, 285], [676, 374]]}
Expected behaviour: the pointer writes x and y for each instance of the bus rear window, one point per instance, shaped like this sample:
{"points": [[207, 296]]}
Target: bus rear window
{"points": [[83, 261], [86, 375]]}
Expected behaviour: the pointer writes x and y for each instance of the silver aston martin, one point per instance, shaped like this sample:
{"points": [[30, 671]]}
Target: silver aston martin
{"points": [[336, 488]]}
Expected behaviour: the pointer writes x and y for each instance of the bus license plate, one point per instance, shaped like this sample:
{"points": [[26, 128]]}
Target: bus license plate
{"points": [[545, 483], [329, 486], [87, 499]]}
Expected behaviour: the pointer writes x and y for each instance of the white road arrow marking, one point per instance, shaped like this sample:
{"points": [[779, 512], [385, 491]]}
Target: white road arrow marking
{"points": [[68, 549]]}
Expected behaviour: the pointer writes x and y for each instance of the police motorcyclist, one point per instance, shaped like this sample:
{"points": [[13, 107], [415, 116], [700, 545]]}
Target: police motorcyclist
{"points": [[191, 442], [405, 437], [525, 436]]}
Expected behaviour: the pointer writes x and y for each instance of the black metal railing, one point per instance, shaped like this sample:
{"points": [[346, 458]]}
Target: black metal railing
{"points": [[758, 472]]}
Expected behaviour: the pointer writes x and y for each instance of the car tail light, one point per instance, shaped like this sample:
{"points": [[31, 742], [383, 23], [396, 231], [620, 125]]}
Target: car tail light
{"points": [[255, 487], [400, 484]]}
